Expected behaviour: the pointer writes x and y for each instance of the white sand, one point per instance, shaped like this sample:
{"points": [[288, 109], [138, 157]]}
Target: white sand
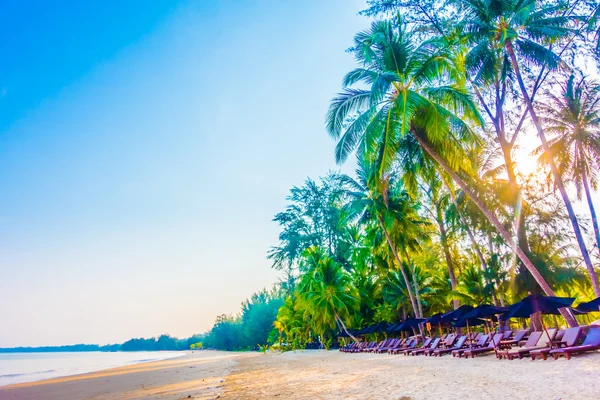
{"points": [[313, 374], [335, 375]]}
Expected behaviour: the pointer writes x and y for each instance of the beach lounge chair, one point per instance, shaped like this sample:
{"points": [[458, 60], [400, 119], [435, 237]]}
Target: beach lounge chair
{"points": [[448, 341], [385, 346], [507, 335], [569, 339], [425, 344], [390, 344], [410, 344], [492, 345], [360, 347], [432, 346], [520, 335], [369, 347], [399, 344], [481, 342], [531, 343], [380, 344], [591, 343], [460, 343], [348, 347], [543, 342]]}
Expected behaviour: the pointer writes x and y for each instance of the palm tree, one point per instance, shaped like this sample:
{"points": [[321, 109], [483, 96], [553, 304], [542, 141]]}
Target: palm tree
{"points": [[412, 90], [326, 290], [574, 118], [371, 201], [524, 27]]}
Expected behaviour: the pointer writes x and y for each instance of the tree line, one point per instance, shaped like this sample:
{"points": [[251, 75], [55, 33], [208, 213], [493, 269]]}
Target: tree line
{"points": [[162, 342], [440, 211]]}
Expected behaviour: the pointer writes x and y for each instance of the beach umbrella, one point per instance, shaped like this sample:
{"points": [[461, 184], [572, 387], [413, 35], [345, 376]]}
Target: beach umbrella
{"points": [[466, 322], [538, 304], [406, 325], [485, 311], [369, 329], [380, 327], [344, 334], [437, 319], [364, 330], [375, 328], [590, 306], [458, 313]]}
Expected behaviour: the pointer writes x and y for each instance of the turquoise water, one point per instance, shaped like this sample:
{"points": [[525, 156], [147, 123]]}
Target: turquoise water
{"points": [[29, 367]]}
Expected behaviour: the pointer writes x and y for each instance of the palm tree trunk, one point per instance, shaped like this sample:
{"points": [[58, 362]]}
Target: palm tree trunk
{"points": [[502, 304], [339, 321], [518, 206], [416, 285], [406, 280], [557, 177], [449, 263], [588, 195], [471, 237], [477, 249], [495, 222], [506, 147]]}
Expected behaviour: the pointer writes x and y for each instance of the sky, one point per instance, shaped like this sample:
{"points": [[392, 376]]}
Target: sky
{"points": [[144, 150]]}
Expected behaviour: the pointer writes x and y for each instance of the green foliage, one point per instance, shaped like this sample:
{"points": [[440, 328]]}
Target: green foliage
{"points": [[398, 238], [249, 330]]}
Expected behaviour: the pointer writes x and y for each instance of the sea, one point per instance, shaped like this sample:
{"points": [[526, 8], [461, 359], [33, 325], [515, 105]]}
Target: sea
{"points": [[29, 367]]}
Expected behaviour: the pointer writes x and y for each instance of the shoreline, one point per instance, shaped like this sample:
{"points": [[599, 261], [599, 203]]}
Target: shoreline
{"points": [[198, 374], [40, 366], [321, 374]]}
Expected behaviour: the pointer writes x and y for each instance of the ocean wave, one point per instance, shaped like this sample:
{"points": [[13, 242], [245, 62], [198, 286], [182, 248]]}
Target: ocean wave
{"points": [[25, 374]]}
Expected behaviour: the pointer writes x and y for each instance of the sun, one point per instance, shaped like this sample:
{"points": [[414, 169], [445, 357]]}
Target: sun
{"points": [[525, 162]]}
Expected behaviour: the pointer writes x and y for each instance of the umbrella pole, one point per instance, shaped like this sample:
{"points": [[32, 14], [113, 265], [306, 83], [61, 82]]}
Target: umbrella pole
{"points": [[440, 326], [544, 327], [469, 334]]}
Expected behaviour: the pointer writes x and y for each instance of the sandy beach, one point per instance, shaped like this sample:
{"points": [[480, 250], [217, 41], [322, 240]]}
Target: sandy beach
{"points": [[198, 375], [326, 375]]}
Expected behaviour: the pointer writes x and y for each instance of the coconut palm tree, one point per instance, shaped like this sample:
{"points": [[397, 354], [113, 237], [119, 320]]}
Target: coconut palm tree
{"points": [[573, 117], [325, 290], [412, 90], [386, 205], [523, 29]]}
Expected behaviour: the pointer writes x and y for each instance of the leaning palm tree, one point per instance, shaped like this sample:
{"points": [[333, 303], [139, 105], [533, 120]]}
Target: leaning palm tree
{"points": [[574, 119], [412, 90], [372, 201], [524, 29]]}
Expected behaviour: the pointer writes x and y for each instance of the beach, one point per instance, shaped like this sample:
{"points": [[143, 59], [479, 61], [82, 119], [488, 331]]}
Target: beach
{"points": [[199, 375], [310, 374]]}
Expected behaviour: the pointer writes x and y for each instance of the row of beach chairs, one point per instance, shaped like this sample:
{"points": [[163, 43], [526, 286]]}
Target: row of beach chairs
{"points": [[508, 345]]}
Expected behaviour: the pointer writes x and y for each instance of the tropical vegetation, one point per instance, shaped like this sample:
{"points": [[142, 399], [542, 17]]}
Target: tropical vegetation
{"points": [[443, 208]]}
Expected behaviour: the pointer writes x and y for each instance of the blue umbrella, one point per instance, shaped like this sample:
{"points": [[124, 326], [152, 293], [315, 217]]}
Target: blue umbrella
{"points": [[344, 334], [485, 311], [466, 322], [458, 313], [438, 319], [536, 303], [406, 325], [590, 306]]}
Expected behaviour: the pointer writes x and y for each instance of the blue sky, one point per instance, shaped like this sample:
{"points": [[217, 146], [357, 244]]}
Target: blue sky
{"points": [[144, 149]]}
